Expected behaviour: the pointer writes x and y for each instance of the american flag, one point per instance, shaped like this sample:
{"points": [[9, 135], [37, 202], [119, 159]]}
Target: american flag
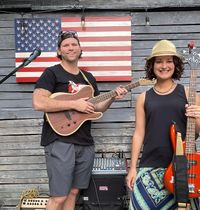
{"points": [[105, 41]]}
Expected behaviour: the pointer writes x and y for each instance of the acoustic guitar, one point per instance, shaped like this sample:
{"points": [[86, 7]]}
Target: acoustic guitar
{"points": [[67, 122], [189, 149]]}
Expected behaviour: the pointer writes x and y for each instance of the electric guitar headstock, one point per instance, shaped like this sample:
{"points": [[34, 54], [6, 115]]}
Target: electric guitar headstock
{"points": [[193, 59], [191, 56]]}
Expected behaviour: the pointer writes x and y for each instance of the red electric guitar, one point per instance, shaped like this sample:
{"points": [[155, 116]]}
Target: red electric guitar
{"points": [[192, 156], [67, 122]]}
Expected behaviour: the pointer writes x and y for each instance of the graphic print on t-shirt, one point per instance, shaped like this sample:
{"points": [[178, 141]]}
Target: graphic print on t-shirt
{"points": [[73, 87]]}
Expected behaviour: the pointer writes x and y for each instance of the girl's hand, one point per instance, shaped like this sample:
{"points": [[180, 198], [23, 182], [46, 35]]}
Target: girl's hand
{"points": [[192, 111], [130, 178]]}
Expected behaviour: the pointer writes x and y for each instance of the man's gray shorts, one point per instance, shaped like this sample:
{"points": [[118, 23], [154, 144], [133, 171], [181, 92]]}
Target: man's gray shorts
{"points": [[68, 166]]}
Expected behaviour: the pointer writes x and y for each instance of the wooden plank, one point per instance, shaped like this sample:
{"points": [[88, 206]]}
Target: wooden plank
{"points": [[10, 80], [165, 29], [17, 87], [19, 114], [29, 145], [6, 24], [20, 123], [21, 160], [166, 18], [113, 132], [18, 139], [38, 122], [22, 176], [7, 42], [10, 103], [114, 4], [6, 53], [20, 151], [37, 130], [98, 4], [41, 166], [112, 115], [186, 36], [27, 103], [7, 62], [146, 44], [11, 193], [113, 148]]}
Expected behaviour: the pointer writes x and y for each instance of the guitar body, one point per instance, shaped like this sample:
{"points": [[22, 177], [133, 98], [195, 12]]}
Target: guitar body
{"points": [[67, 122], [193, 171]]}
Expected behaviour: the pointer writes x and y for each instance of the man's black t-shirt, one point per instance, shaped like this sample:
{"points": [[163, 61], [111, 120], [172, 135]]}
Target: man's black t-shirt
{"points": [[56, 79]]}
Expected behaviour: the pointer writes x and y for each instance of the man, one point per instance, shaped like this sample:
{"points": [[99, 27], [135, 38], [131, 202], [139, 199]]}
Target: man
{"points": [[69, 159]]}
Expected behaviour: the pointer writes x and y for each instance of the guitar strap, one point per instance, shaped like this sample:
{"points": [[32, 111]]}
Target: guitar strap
{"points": [[180, 179], [86, 79], [180, 175]]}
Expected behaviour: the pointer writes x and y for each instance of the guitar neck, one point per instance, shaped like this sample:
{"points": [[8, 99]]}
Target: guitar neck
{"points": [[112, 93], [190, 132]]}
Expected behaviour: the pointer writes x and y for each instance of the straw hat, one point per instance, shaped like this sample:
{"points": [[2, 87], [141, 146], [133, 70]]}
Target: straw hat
{"points": [[163, 48]]}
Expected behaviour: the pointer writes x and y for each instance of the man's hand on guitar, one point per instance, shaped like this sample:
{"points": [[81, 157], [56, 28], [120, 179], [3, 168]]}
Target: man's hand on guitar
{"points": [[82, 105], [121, 92]]}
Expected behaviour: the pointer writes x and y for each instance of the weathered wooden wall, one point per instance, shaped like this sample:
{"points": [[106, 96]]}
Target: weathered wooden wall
{"points": [[22, 163]]}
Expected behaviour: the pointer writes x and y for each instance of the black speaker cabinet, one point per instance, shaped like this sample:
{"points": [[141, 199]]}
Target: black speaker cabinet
{"points": [[105, 192]]}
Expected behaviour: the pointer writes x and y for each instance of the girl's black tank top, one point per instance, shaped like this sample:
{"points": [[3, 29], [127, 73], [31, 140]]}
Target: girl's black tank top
{"points": [[161, 111]]}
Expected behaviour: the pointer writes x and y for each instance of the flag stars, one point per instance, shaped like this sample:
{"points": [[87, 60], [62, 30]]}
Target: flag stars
{"points": [[40, 31]]}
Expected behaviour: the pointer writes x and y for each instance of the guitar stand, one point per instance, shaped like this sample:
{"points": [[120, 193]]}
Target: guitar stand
{"points": [[180, 175]]}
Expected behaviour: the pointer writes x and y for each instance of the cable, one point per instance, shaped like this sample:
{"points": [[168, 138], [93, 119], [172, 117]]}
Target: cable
{"points": [[96, 193]]}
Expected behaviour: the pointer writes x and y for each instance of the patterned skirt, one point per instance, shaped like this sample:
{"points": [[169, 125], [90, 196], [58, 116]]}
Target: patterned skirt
{"points": [[149, 192]]}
